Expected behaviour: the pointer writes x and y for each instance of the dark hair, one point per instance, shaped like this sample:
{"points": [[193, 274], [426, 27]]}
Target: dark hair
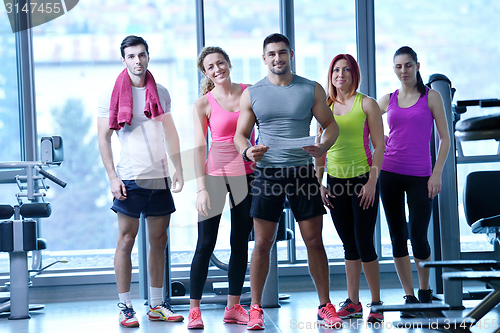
{"points": [[207, 84], [356, 78], [132, 41], [409, 51], [276, 38]]}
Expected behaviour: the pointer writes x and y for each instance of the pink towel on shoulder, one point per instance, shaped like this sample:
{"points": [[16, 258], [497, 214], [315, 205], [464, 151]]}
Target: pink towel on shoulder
{"points": [[121, 105]]}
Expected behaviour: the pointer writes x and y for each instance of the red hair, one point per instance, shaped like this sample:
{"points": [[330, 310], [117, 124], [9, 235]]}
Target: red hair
{"points": [[356, 78]]}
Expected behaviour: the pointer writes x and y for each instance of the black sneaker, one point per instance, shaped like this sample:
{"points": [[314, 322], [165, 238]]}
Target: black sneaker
{"points": [[425, 296], [409, 299]]}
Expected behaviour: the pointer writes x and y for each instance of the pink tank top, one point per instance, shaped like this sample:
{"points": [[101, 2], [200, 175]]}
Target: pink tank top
{"points": [[223, 158], [407, 150]]}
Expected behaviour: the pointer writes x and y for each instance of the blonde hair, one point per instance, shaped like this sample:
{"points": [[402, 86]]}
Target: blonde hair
{"points": [[206, 84]]}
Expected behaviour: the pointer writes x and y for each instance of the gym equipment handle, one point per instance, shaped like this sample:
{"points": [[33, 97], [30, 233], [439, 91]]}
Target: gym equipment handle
{"points": [[52, 177]]}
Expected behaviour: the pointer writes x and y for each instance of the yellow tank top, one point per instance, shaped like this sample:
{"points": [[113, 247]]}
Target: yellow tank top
{"points": [[351, 156]]}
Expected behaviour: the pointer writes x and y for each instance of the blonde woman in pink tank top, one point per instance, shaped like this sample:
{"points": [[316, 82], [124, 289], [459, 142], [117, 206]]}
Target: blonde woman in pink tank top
{"points": [[407, 171], [222, 172]]}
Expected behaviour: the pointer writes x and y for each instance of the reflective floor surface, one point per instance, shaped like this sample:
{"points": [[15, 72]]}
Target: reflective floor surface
{"points": [[297, 314]]}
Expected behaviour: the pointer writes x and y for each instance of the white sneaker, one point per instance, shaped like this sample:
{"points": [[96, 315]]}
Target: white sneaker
{"points": [[127, 316], [164, 312]]}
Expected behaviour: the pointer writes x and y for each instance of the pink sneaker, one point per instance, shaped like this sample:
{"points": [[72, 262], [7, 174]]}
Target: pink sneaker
{"points": [[256, 320], [328, 317], [194, 319], [375, 317], [236, 315], [350, 310]]}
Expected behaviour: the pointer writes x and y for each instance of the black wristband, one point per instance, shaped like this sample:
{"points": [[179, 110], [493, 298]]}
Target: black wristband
{"points": [[244, 154]]}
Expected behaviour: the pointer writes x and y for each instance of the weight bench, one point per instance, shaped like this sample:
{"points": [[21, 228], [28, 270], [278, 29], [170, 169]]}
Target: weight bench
{"points": [[431, 316], [482, 212], [491, 274], [18, 237], [426, 310], [489, 226], [492, 278], [477, 128]]}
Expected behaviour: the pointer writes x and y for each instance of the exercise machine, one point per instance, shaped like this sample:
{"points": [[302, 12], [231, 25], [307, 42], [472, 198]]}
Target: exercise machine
{"points": [[175, 290], [20, 235], [481, 205]]}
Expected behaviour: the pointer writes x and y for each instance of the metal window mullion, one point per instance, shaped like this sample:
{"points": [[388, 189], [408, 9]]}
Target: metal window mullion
{"points": [[365, 43], [287, 27], [287, 24], [200, 44], [26, 83], [26, 87], [200, 30]]}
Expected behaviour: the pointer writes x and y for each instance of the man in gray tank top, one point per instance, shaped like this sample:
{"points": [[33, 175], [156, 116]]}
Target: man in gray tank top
{"points": [[282, 105]]}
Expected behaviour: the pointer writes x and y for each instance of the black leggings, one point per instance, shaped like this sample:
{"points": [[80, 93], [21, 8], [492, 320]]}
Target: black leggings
{"points": [[208, 227], [354, 224], [392, 192]]}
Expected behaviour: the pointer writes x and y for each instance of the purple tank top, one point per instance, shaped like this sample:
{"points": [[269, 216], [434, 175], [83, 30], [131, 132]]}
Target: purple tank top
{"points": [[407, 150]]}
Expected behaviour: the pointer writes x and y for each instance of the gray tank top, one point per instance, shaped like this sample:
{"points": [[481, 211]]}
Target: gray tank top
{"points": [[283, 112]]}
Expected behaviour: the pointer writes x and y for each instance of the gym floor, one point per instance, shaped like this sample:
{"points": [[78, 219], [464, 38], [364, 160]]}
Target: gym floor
{"points": [[297, 314]]}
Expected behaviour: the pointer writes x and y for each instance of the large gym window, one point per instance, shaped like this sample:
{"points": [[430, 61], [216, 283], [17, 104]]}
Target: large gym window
{"points": [[238, 27], [321, 32], [77, 57], [10, 137]]}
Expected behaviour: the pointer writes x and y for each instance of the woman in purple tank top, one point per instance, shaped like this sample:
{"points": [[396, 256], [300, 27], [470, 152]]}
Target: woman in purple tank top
{"points": [[412, 110], [223, 172]]}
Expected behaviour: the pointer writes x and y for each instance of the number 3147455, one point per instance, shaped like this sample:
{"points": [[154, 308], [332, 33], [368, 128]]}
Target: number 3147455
{"points": [[47, 8]]}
